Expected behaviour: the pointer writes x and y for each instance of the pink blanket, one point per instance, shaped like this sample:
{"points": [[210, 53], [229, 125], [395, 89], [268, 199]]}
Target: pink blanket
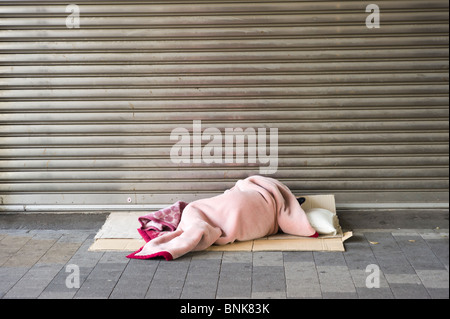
{"points": [[255, 207], [161, 222]]}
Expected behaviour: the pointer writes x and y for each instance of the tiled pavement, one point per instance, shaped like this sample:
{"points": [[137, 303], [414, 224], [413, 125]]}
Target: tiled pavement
{"points": [[44, 263]]}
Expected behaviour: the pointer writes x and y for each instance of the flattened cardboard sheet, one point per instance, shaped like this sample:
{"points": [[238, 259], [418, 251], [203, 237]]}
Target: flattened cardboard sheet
{"points": [[119, 233]]}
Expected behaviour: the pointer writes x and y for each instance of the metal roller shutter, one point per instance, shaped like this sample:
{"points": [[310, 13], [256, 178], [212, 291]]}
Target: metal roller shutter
{"points": [[87, 113]]}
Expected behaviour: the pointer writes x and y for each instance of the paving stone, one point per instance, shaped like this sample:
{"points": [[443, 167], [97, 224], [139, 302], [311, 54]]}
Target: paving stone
{"points": [[202, 279], [403, 279], [386, 242], [418, 253], [114, 258], [95, 289], [9, 276], [30, 253], [409, 291], [201, 255], [32, 283], [298, 256], [85, 258], [101, 281], [359, 254], [235, 280], [63, 285], [72, 236], [135, 279], [302, 280], [168, 280], [59, 253], [374, 293], [435, 279], [329, 258], [10, 245], [267, 259], [335, 279], [388, 254], [268, 279], [237, 257], [391, 264], [440, 248]]}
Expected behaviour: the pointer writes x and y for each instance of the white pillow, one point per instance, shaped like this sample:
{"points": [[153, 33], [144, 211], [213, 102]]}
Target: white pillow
{"points": [[321, 220]]}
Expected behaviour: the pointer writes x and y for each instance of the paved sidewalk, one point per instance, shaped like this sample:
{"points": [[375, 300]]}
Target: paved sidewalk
{"points": [[43, 261]]}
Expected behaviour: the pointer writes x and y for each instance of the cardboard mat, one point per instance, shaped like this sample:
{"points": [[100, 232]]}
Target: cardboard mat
{"points": [[119, 233]]}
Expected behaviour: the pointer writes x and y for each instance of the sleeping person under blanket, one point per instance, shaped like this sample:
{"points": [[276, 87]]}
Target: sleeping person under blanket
{"points": [[254, 208]]}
